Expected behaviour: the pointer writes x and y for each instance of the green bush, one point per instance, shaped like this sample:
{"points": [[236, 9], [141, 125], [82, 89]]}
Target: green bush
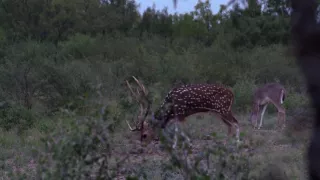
{"points": [[243, 91], [80, 150], [17, 117]]}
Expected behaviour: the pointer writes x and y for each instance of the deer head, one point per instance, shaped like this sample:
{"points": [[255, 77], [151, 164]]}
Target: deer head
{"points": [[142, 124]]}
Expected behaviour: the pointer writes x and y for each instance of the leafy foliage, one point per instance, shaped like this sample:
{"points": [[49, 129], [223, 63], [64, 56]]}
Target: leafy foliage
{"points": [[82, 152]]}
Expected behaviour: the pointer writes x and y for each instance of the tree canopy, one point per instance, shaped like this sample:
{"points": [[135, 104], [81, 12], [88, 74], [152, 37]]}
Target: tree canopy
{"points": [[259, 23]]}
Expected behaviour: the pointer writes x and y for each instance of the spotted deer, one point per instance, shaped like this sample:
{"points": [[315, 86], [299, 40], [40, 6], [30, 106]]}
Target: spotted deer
{"points": [[184, 101], [273, 93]]}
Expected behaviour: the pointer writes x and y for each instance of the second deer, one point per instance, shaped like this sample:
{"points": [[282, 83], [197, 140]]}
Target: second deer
{"points": [[273, 93]]}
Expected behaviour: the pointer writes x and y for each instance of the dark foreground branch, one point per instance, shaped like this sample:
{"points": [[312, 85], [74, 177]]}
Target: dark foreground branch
{"points": [[306, 38]]}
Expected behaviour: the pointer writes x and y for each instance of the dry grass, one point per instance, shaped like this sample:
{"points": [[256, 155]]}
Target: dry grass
{"points": [[18, 154]]}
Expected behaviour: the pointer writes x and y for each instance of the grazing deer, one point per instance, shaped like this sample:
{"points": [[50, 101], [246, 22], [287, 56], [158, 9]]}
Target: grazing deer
{"points": [[273, 93], [184, 101]]}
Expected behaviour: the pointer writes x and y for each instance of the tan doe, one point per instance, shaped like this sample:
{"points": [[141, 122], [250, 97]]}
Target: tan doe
{"points": [[273, 93], [182, 102]]}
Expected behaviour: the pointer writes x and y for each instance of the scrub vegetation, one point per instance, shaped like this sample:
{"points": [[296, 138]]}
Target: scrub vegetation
{"points": [[64, 100]]}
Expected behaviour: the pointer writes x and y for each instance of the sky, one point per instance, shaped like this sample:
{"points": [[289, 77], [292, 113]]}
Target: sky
{"points": [[183, 6]]}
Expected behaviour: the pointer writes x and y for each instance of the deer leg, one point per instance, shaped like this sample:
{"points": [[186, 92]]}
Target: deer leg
{"points": [[281, 114], [237, 132], [281, 117], [186, 137], [181, 120], [262, 114], [175, 139], [254, 116], [231, 122], [228, 135], [229, 130]]}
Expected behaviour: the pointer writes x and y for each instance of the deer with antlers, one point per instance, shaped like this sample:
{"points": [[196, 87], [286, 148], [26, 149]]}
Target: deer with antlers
{"points": [[184, 101], [273, 93]]}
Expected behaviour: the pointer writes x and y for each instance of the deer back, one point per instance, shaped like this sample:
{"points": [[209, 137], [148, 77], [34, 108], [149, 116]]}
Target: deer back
{"points": [[272, 91], [195, 98]]}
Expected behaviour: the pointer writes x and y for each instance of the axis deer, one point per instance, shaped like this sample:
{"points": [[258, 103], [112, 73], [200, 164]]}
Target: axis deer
{"points": [[184, 101], [273, 93]]}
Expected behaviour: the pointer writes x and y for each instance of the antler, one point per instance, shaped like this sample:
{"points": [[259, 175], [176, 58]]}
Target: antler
{"points": [[141, 98]]}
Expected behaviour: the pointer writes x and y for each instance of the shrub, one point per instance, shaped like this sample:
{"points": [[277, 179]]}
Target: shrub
{"points": [[79, 151], [17, 117]]}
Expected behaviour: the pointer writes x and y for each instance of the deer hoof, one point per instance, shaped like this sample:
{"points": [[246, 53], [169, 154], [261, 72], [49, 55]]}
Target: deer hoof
{"points": [[224, 142], [174, 146], [238, 143]]}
